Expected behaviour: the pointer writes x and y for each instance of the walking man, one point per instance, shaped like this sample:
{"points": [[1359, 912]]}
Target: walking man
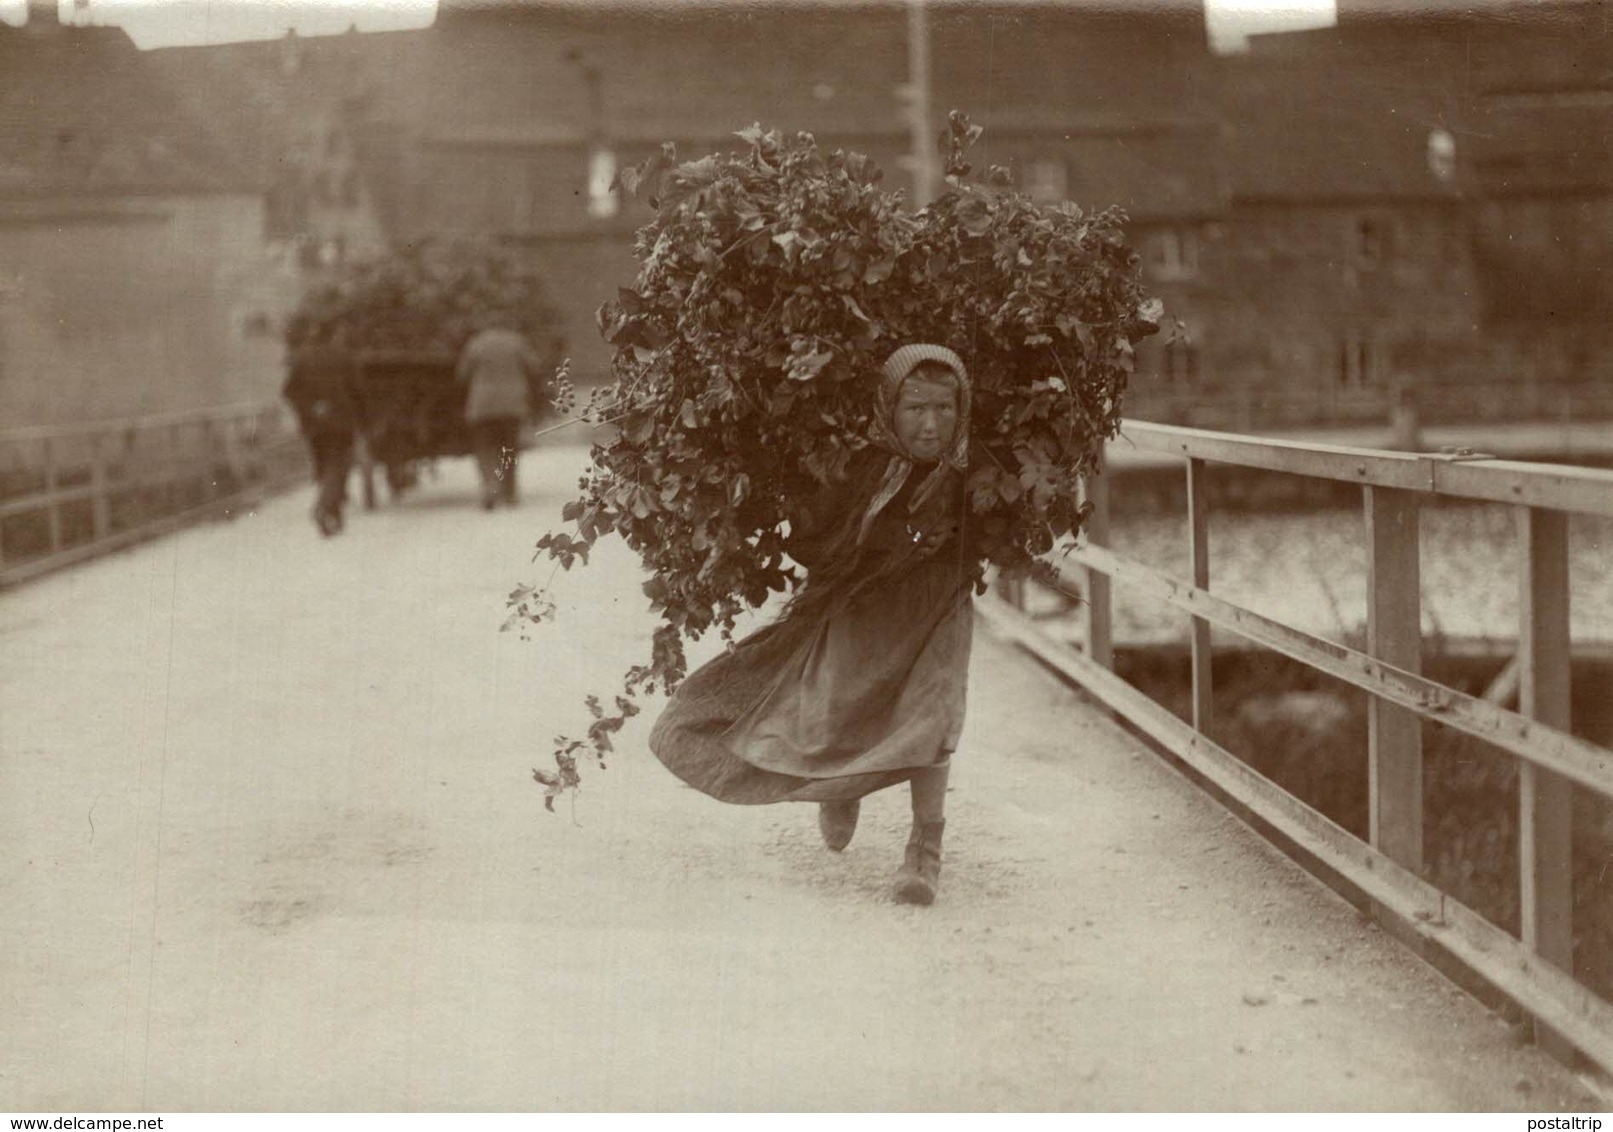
{"points": [[498, 368], [320, 390]]}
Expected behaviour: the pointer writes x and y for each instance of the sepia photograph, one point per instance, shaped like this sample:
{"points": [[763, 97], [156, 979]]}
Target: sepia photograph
{"points": [[805, 556]]}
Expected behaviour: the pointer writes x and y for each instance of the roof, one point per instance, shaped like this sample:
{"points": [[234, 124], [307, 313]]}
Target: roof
{"points": [[82, 114], [274, 102], [666, 66], [1148, 9], [260, 94], [1175, 175], [1455, 11], [1546, 143], [516, 77], [1524, 86], [1299, 131], [1483, 44]]}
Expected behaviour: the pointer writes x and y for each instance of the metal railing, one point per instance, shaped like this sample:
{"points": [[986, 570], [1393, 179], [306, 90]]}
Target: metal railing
{"points": [[1535, 971], [69, 492]]}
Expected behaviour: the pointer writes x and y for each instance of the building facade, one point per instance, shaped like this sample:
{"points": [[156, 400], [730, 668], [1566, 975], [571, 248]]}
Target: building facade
{"points": [[1511, 104], [511, 119], [1417, 197], [131, 274]]}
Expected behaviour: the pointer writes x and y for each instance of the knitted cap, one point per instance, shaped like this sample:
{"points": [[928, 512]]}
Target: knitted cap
{"points": [[907, 358]]}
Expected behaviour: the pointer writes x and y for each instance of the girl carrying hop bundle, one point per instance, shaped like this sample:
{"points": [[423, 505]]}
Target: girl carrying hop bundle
{"points": [[861, 683]]}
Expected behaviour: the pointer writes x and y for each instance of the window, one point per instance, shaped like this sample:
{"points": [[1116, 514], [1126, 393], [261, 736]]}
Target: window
{"points": [[1047, 180], [1357, 360], [1175, 253], [602, 200], [1442, 155], [315, 253], [1369, 240], [333, 251]]}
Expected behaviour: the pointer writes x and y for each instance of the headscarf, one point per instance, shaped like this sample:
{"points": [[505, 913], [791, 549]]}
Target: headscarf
{"points": [[882, 430]]}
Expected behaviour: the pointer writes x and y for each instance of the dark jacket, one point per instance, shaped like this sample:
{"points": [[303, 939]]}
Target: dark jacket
{"points": [[320, 389]]}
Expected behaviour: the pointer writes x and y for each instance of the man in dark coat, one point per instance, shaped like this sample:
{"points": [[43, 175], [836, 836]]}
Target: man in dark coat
{"points": [[320, 389]]}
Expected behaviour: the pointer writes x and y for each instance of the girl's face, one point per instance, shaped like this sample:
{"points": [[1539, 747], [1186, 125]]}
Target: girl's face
{"points": [[926, 416]]}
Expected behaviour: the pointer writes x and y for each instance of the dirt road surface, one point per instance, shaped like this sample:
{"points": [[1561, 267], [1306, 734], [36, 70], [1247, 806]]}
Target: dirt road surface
{"points": [[268, 842]]}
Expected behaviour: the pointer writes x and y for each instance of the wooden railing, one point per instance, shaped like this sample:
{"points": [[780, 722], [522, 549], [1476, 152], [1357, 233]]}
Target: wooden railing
{"points": [[1535, 971], [69, 492], [1267, 406]]}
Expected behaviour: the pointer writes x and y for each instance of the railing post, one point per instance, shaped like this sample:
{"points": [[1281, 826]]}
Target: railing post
{"points": [[100, 505], [53, 512], [206, 444], [251, 448], [232, 450], [1198, 546], [174, 479], [219, 472], [135, 477], [1394, 634], [1545, 802], [1099, 618]]}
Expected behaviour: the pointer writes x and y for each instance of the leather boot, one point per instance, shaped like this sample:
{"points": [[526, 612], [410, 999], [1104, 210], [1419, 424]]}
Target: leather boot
{"points": [[837, 821], [921, 870]]}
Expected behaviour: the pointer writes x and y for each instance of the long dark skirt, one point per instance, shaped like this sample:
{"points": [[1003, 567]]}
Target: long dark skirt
{"points": [[830, 706]]}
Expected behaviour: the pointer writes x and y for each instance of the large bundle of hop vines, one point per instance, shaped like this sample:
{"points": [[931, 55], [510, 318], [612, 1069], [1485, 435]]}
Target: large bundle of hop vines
{"points": [[774, 283], [428, 297]]}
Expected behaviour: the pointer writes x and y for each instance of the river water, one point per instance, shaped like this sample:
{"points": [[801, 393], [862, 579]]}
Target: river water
{"points": [[1309, 570]]}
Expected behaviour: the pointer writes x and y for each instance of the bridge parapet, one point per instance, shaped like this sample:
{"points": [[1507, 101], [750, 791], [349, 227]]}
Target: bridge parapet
{"points": [[72, 491], [1535, 970]]}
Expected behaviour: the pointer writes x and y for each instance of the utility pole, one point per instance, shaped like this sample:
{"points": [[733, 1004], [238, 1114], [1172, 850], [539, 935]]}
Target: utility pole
{"points": [[916, 94]]}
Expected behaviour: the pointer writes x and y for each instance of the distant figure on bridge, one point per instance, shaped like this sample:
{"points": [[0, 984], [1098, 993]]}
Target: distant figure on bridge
{"points": [[499, 369], [861, 683], [320, 389]]}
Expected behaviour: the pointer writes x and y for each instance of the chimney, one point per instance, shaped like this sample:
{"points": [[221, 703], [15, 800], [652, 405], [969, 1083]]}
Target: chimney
{"points": [[290, 52], [43, 14]]}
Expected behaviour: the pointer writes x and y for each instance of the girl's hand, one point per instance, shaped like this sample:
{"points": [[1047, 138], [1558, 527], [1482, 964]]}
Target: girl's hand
{"points": [[930, 541]]}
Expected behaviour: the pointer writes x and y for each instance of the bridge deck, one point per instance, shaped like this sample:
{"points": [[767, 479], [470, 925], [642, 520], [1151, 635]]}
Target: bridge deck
{"points": [[268, 843]]}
